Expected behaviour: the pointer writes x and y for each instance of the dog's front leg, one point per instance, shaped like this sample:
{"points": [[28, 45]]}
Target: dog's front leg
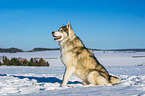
{"points": [[68, 72]]}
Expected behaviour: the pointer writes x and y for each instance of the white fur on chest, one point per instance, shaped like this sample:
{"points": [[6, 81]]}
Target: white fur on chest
{"points": [[67, 58]]}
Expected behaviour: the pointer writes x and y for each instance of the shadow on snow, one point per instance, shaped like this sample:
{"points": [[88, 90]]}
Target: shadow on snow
{"points": [[43, 79]]}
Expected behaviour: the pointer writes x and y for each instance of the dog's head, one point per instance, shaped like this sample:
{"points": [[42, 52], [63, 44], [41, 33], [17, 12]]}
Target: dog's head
{"points": [[63, 33]]}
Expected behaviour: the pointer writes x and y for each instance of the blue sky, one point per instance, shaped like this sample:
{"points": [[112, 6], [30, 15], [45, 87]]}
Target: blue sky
{"points": [[101, 24]]}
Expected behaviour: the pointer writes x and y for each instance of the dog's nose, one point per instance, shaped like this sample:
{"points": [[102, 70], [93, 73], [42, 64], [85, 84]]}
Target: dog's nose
{"points": [[53, 32]]}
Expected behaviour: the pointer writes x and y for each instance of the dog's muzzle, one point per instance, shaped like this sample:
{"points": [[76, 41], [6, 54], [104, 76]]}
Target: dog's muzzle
{"points": [[56, 37]]}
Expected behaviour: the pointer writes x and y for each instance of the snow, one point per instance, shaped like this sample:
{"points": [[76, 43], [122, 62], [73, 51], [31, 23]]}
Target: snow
{"points": [[36, 81]]}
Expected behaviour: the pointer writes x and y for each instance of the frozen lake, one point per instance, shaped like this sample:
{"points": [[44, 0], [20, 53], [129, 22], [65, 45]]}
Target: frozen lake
{"points": [[23, 80]]}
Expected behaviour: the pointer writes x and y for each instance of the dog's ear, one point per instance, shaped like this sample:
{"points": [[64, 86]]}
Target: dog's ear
{"points": [[70, 30], [63, 25], [68, 26]]}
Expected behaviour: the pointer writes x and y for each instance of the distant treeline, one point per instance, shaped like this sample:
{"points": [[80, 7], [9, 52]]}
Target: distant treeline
{"points": [[134, 50], [23, 62], [14, 50], [45, 49]]}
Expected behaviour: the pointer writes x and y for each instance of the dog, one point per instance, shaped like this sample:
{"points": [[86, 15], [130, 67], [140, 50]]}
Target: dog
{"points": [[80, 60]]}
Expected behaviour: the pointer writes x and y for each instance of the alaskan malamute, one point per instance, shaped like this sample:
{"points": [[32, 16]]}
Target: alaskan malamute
{"points": [[80, 60]]}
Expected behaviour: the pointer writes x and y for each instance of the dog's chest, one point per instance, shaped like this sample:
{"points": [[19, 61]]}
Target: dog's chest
{"points": [[67, 57]]}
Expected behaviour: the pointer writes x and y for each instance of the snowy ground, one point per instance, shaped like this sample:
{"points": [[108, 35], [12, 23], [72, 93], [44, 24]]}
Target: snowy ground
{"points": [[37, 81]]}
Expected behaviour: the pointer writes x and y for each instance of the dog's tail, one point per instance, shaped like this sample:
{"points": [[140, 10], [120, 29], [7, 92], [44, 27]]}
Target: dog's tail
{"points": [[114, 80]]}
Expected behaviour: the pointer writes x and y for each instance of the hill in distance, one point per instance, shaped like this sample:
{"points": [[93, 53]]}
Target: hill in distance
{"points": [[10, 50]]}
